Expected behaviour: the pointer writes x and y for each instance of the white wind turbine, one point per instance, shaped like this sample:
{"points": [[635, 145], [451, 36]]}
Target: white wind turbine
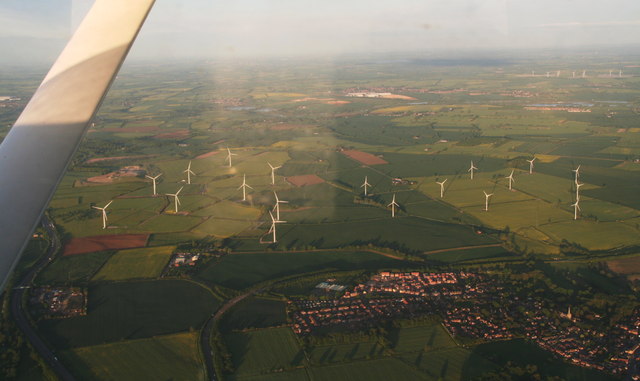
{"points": [[511, 180], [441, 183], [189, 172], [176, 200], [277, 206], [273, 173], [104, 213], [393, 206], [576, 207], [154, 182], [229, 154], [486, 200], [471, 169], [244, 187], [531, 165], [577, 172], [273, 226], [365, 185]]}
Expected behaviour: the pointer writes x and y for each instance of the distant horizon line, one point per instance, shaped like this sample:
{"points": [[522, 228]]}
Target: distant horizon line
{"points": [[430, 54]]}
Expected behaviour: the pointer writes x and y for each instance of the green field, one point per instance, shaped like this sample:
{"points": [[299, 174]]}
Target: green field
{"points": [[451, 364], [171, 357], [243, 270], [403, 232], [264, 350], [254, 312], [382, 369], [132, 310], [427, 337], [74, 268], [136, 263], [334, 354]]}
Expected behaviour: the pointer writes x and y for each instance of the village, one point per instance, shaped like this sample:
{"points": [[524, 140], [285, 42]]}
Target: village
{"points": [[477, 307]]}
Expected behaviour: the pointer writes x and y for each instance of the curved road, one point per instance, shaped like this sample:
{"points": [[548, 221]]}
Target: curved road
{"points": [[19, 314]]}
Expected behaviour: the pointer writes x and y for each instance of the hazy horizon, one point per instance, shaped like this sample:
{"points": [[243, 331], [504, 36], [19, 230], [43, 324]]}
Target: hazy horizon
{"points": [[36, 30]]}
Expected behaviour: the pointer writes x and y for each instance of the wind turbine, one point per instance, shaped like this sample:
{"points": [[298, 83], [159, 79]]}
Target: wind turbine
{"points": [[154, 182], [393, 205], [189, 172], [176, 200], [365, 185], [577, 172], [277, 206], [471, 169], [531, 165], [486, 200], [441, 183], [244, 187], [273, 173], [510, 177], [104, 213], [576, 207], [574, 74], [584, 73], [273, 226], [547, 74], [229, 154]]}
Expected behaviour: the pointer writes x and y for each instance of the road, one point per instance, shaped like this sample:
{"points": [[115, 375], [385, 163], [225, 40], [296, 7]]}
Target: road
{"points": [[20, 315], [205, 335]]}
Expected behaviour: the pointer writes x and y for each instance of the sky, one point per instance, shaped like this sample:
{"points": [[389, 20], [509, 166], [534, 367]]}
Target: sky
{"points": [[36, 30]]}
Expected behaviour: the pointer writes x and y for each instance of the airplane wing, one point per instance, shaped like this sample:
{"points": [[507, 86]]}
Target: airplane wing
{"points": [[36, 152]]}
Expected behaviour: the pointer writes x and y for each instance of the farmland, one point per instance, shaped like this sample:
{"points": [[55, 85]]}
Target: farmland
{"points": [[242, 270], [264, 351], [228, 122], [172, 356], [131, 310], [136, 263]]}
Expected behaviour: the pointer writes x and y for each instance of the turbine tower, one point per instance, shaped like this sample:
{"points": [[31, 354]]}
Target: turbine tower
{"points": [[365, 185], [189, 172], [229, 154], [510, 177], [576, 207], [176, 200], [273, 173], [584, 73], [441, 183], [547, 74], [277, 206], [104, 213], [273, 226], [486, 200], [471, 169], [531, 165], [154, 182], [578, 191], [620, 73], [574, 74], [393, 205], [244, 187]]}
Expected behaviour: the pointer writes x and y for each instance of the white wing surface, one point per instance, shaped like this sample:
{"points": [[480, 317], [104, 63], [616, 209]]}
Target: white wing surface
{"points": [[38, 148]]}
